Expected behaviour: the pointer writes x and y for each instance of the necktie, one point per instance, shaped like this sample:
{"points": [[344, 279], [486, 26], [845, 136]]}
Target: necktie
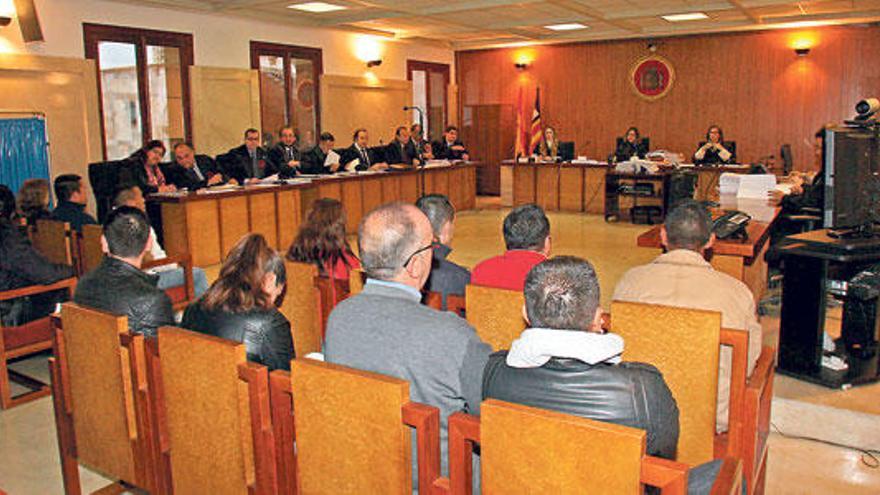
{"points": [[198, 172], [255, 167], [365, 159]]}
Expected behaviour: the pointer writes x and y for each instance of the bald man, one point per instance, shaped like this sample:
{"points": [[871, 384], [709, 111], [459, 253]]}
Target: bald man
{"points": [[385, 329]]}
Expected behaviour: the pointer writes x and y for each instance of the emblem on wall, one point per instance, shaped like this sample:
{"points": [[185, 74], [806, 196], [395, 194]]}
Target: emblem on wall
{"points": [[305, 92], [652, 77]]}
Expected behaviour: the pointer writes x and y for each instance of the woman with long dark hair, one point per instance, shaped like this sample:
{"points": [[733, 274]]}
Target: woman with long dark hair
{"points": [[144, 168], [321, 241], [242, 304], [715, 150]]}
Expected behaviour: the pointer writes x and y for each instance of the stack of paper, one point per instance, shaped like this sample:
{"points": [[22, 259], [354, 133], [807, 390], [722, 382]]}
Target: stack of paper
{"points": [[756, 186], [728, 183]]}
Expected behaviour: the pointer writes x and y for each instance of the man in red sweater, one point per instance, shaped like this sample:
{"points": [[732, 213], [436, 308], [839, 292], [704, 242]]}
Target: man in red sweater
{"points": [[527, 236]]}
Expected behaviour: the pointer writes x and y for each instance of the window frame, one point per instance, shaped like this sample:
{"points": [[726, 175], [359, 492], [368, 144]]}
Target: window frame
{"points": [[93, 34], [286, 52], [428, 67]]}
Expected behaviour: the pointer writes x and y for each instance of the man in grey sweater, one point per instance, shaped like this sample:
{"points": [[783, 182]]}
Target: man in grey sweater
{"points": [[385, 329]]}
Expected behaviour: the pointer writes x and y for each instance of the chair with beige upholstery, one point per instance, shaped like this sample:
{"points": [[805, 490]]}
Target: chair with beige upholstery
{"points": [[353, 432], [216, 413], [496, 314], [100, 427], [558, 453], [668, 338], [300, 307]]}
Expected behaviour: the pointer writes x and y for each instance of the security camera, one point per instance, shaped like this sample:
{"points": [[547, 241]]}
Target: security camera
{"points": [[867, 107]]}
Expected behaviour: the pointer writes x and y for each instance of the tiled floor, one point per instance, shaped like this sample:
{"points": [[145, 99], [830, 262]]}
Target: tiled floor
{"points": [[28, 451]]}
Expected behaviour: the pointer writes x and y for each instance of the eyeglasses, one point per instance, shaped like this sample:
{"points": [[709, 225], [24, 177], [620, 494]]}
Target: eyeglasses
{"points": [[416, 253]]}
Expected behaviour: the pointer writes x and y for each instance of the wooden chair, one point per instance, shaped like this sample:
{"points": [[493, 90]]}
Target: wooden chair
{"points": [[496, 314], [281, 401], [91, 255], [684, 345], [22, 340], [454, 303], [300, 307], [54, 240], [558, 453], [352, 432], [90, 250], [216, 411], [330, 293], [356, 280], [100, 427], [654, 334]]}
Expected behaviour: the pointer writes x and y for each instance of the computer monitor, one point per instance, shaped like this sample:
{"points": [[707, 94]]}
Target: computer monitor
{"points": [[850, 167], [785, 154], [566, 151]]}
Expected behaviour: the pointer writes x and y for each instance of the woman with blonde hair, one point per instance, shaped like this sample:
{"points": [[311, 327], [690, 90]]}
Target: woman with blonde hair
{"points": [[33, 200], [321, 241], [242, 305]]}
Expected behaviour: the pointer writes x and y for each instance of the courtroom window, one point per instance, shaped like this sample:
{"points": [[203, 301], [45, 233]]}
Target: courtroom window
{"points": [[143, 83], [289, 90], [430, 84]]}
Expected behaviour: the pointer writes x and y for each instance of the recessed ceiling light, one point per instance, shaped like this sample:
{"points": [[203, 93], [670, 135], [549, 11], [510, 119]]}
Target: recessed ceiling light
{"points": [[316, 7], [690, 16], [566, 27]]}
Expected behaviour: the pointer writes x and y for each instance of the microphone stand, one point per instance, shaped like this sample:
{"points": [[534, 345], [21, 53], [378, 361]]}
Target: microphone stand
{"points": [[419, 151]]}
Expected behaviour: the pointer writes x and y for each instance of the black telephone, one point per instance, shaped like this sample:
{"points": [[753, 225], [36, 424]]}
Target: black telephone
{"points": [[731, 225]]}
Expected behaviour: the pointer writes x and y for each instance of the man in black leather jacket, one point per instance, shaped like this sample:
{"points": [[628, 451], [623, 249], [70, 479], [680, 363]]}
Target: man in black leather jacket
{"points": [[118, 285], [564, 362]]}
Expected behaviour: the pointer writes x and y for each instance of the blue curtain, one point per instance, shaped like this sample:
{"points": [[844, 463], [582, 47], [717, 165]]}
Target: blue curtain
{"points": [[24, 152]]}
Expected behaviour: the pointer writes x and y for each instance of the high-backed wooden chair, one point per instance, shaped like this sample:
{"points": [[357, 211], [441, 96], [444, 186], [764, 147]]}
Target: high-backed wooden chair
{"points": [[330, 293], [557, 453], [300, 307], [750, 397], [90, 250], [356, 280], [281, 402], [21, 340], [95, 384], [352, 432], [454, 303], [684, 345], [216, 412], [54, 240], [496, 314]]}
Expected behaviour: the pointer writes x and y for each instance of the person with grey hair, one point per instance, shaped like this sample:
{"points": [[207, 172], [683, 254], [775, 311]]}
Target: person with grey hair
{"points": [[446, 277], [682, 277], [385, 328]]}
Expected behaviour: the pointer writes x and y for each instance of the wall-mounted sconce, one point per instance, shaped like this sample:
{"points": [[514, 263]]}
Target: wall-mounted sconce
{"points": [[802, 52], [652, 46], [5, 20], [374, 63], [521, 66]]}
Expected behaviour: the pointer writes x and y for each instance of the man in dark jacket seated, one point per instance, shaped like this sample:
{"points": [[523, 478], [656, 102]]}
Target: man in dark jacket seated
{"points": [[284, 156], [360, 156], [450, 148], [22, 266], [446, 277], [565, 362], [314, 160], [401, 151], [191, 171], [72, 197], [248, 162], [118, 285]]}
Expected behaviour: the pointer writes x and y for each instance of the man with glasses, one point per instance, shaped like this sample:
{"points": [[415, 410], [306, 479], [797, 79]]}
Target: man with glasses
{"points": [[248, 162], [385, 329]]}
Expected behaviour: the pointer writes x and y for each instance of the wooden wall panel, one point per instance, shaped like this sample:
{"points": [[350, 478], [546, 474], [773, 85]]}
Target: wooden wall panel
{"points": [[234, 222], [751, 84], [224, 103]]}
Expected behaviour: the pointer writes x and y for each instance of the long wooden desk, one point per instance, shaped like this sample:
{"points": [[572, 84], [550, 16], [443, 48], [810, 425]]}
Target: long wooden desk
{"points": [[741, 259], [207, 225], [580, 187]]}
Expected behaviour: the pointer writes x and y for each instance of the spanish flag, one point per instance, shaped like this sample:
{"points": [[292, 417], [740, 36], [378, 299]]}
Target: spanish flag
{"points": [[537, 132], [522, 131]]}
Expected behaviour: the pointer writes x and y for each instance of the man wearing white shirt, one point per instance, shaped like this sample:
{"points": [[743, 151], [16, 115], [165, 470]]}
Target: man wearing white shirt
{"points": [[170, 275], [359, 156]]}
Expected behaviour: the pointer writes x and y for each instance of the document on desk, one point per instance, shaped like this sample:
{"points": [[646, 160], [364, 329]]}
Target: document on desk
{"points": [[756, 186], [728, 183]]}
